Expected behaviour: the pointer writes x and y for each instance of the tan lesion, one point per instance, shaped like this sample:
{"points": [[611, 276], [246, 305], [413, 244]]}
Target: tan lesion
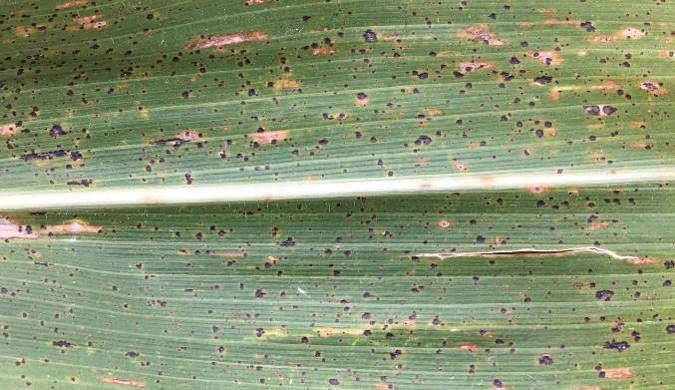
{"points": [[618, 373], [270, 137], [331, 332], [653, 87], [561, 22], [627, 33], [9, 129], [93, 22], [218, 41], [322, 51], [26, 31], [71, 4], [473, 66], [286, 84], [546, 57], [468, 347], [11, 229], [480, 34]]}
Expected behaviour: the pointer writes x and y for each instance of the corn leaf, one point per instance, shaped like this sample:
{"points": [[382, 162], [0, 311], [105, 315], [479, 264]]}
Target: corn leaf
{"points": [[346, 194]]}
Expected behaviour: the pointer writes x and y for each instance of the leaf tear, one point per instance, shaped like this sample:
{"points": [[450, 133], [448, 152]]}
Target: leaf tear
{"points": [[531, 252], [123, 382]]}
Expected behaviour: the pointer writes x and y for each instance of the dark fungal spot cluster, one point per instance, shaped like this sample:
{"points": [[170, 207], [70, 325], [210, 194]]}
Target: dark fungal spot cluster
{"points": [[285, 87], [74, 155], [290, 269], [80, 182]]}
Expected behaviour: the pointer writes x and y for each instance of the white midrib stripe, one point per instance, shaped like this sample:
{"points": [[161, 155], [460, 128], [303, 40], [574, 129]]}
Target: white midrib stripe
{"points": [[192, 194]]}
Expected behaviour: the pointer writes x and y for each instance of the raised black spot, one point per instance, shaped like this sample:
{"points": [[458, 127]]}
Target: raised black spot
{"points": [[81, 182], [75, 155], [370, 36], [588, 26], [541, 80], [608, 110], [132, 354], [604, 295], [618, 345], [175, 142], [423, 140], [334, 381], [670, 329], [56, 131], [287, 242], [62, 344], [593, 110], [545, 360], [649, 86]]}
